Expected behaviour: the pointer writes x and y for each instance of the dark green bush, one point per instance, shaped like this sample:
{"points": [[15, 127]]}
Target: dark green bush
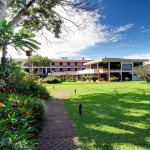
{"points": [[12, 72], [52, 80], [94, 78], [69, 80]]}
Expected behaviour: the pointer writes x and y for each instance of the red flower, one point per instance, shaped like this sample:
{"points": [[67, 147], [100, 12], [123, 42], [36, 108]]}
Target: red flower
{"points": [[31, 100], [4, 89], [10, 91], [1, 104], [19, 103], [27, 113]]}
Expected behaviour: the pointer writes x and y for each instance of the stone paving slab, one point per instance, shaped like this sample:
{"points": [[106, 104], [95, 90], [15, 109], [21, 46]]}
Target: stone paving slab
{"points": [[58, 132]]}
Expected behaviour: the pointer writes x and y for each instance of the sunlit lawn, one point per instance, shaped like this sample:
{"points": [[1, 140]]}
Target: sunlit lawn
{"points": [[116, 116]]}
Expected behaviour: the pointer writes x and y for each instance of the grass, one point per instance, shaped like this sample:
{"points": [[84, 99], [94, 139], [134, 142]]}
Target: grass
{"points": [[116, 116]]}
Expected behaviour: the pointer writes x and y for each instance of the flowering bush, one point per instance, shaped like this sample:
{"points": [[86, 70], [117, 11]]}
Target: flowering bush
{"points": [[19, 121], [26, 88]]}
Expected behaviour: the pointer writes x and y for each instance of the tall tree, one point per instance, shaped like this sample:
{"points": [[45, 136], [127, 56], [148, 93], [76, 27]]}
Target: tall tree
{"points": [[38, 60], [35, 15], [143, 72]]}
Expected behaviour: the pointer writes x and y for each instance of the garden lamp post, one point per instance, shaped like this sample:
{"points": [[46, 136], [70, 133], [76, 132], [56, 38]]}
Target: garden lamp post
{"points": [[29, 53]]}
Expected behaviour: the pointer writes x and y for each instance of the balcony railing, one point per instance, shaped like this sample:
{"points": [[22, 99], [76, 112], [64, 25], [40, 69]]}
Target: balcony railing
{"points": [[67, 66]]}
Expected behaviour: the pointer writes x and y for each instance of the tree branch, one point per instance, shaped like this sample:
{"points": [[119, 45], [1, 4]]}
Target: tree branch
{"points": [[21, 13]]}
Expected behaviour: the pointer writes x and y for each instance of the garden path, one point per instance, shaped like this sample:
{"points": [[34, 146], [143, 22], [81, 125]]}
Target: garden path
{"points": [[58, 132]]}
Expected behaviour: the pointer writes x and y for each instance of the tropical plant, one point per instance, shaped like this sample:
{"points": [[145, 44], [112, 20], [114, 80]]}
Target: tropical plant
{"points": [[20, 120], [19, 40], [12, 72], [30, 88]]}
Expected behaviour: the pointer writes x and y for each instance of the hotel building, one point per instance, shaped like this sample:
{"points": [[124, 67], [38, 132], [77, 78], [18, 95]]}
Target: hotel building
{"points": [[113, 67], [103, 68]]}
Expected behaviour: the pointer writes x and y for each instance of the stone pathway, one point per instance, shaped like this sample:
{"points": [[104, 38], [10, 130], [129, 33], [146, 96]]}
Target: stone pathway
{"points": [[58, 132]]}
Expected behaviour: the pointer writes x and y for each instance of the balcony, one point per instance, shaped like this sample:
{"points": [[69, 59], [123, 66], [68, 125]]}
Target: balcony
{"points": [[55, 66]]}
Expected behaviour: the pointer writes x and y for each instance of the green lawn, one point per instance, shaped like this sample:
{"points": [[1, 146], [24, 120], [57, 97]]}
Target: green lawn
{"points": [[116, 116]]}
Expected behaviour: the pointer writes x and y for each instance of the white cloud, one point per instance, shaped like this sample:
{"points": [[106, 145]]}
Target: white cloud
{"points": [[75, 40], [124, 28], [145, 29], [139, 56]]}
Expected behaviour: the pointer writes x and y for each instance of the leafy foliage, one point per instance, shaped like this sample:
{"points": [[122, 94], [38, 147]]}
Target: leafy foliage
{"points": [[35, 15], [20, 118], [127, 79], [20, 40], [12, 72], [143, 72], [51, 80], [69, 80], [38, 60], [112, 79], [30, 88]]}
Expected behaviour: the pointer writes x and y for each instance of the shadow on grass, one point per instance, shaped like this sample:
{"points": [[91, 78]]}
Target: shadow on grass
{"points": [[112, 121]]}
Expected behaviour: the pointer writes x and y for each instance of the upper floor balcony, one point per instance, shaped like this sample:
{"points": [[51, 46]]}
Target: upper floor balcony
{"points": [[67, 66]]}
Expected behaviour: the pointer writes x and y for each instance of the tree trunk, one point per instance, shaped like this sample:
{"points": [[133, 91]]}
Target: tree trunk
{"points": [[4, 53], [3, 5]]}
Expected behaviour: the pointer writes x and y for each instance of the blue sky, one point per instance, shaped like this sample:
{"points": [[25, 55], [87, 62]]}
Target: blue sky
{"points": [[121, 29], [136, 40]]}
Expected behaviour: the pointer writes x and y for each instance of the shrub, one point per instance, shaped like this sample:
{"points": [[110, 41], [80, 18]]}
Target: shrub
{"points": [[20, 118], [127, 79], [33, 77], [83, 79], [12, 72], [147, 79], [113, 79], [94, 78], [52, 80], [69, 80], [100, 79], [27, 88]]}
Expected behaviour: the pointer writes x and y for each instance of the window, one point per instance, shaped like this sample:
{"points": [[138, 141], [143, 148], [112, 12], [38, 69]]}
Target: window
{"points": [[103, 65], [115, 65], [126, 66], [94, 66], [136, 64]]}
